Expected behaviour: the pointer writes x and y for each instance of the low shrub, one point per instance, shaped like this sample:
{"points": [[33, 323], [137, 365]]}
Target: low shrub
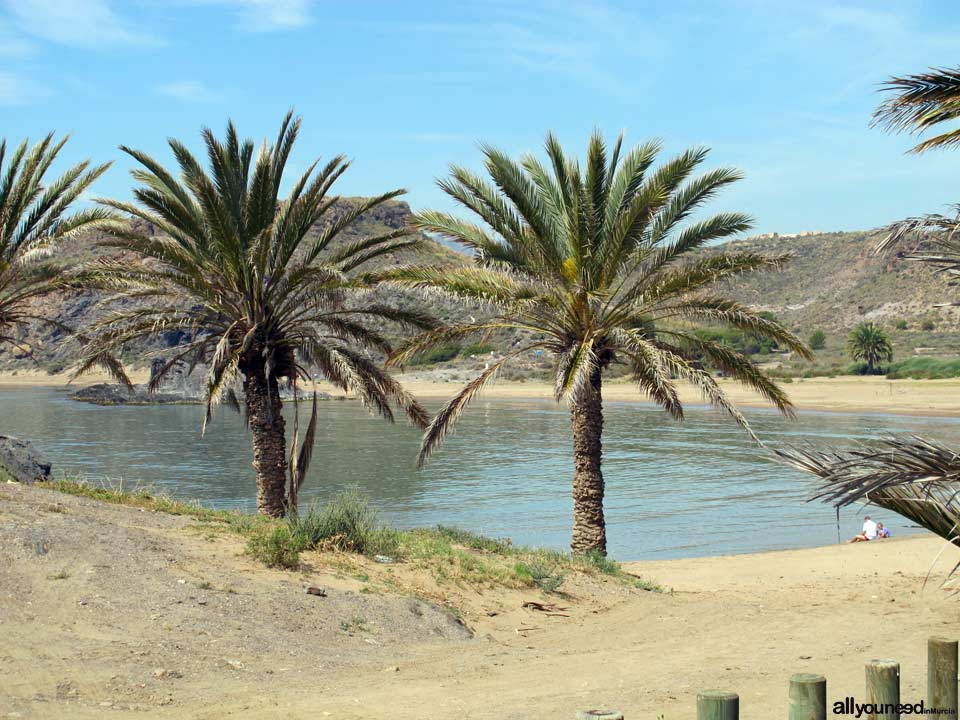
{"points": [[439, 354], [545, 577], [347, 523], [475, 349], [924, 368], [277, 547]]}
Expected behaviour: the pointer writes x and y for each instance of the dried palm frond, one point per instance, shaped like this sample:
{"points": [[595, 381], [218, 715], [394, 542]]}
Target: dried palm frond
{"points": [[911, 476]]}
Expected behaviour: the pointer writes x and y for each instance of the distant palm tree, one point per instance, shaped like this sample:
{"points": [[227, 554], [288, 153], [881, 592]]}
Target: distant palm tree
{"points": [[33, 224], [259, 296], [868, 343], [591, 265]]}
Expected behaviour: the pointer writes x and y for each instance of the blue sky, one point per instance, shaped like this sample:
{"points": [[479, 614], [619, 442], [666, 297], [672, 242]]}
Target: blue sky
{"points": [[783, 90]]}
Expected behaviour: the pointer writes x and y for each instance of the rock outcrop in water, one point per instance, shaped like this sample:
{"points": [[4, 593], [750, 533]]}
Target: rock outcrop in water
{"points": [[179, 387], [21, 461]]}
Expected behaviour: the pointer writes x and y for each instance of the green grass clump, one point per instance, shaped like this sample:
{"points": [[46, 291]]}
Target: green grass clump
{"points": [[347, 523], [277, 547], [438, 354], [475, 349], [544, 576], [924, 368]]}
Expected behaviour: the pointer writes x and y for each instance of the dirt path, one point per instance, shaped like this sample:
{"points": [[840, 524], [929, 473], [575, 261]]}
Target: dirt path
{"points": [[95, 622]]}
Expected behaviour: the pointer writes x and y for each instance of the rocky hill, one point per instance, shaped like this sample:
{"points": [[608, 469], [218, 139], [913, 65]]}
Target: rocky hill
{"points": [[835, 281], [54, 351]]}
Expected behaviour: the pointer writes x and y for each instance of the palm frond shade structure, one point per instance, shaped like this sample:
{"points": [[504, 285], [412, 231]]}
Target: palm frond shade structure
{"points": [[34, 222], [594, 264], [918, 104], [916, 478], [260, 294]]}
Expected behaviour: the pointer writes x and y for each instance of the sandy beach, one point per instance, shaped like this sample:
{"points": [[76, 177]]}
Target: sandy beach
{"points": [[840, 394], [110, 611]]}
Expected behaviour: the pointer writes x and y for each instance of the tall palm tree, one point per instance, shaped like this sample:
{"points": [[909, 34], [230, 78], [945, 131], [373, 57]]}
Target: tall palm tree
{"points": [[34, 222], [591, 265], [260, 295], [868, 343]]}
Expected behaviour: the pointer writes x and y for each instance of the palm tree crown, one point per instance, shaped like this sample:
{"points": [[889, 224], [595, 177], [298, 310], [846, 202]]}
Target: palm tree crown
{"points": [[259, 295], [592, 265], [34, 221], [868, 343]]}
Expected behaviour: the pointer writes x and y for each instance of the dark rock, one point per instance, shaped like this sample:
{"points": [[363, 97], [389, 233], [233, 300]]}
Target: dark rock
{"points": [[115, 394], [20, 461]]}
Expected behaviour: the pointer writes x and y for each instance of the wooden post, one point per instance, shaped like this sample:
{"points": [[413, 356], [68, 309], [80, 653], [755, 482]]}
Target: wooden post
{"points": [[808, 697], [883, 688], [718, 705], [942, 675]]}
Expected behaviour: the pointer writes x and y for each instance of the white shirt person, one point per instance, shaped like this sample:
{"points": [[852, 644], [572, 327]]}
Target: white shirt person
{"points": [[869, 531]]}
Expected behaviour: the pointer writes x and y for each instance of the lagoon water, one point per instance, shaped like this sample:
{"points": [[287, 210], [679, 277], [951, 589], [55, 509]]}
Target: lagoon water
{"points": [[696, 489]]}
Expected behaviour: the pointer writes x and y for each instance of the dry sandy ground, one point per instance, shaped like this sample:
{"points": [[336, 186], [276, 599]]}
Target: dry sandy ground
{"points": [[106, 612], [844, 394]]}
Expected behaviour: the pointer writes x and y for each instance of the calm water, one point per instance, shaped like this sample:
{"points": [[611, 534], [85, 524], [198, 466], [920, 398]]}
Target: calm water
{"points": [[672, 491]]}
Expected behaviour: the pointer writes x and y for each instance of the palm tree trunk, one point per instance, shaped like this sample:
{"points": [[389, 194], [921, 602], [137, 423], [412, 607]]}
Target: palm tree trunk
{"points": [[586, 414], [265, 416]]}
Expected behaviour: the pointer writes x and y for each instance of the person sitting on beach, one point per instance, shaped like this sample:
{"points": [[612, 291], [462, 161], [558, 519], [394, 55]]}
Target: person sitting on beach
{"points": [[869, 531], [882, 532]]}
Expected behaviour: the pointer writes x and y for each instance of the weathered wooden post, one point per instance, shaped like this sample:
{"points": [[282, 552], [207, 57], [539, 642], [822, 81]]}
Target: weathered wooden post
{"points": [[883, 688], [942, 675], [718, 705], [808, 697]]}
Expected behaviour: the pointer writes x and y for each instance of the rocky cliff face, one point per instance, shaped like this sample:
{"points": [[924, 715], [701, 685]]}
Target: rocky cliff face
{"points": [[53, 350]]}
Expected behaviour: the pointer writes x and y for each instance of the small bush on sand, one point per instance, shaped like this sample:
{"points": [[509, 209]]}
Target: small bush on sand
{"points": [[544, 576], [277, 547], [347, 523]]}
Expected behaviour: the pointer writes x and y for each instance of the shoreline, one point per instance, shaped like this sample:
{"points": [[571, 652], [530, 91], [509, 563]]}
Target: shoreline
{"points": [[844, 394]]}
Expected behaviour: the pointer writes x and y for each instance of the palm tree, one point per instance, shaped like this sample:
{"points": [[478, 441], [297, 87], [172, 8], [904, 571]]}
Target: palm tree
{"points": [[592, 266], [34, 222], [259, 294], [868, 343]]}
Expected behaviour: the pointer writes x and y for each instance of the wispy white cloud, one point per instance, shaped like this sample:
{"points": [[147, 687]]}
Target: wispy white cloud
{"points": [[190, 91], [79, 23]]}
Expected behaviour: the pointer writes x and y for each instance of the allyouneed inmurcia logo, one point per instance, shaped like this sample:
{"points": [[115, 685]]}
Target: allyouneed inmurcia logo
{"points": [[849, 706]]}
